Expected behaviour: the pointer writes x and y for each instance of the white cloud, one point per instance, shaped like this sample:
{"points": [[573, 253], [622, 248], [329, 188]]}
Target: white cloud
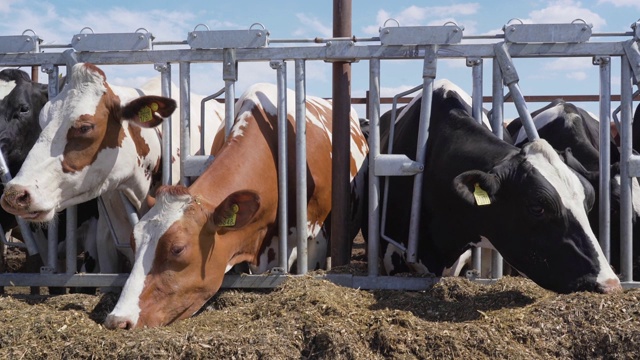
{"points": [[314, 24], [621, 3], [429, 15], [565, 11], [5, 5]]}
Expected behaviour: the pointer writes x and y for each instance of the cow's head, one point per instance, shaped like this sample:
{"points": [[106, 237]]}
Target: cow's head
{"points": [[88, 146], [184, 245], [536, 217], [19, 111]]}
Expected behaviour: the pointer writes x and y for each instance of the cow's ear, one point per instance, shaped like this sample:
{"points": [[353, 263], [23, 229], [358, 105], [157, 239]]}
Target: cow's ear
{"points": [[236, 211], [475, 187], [148, 111]]}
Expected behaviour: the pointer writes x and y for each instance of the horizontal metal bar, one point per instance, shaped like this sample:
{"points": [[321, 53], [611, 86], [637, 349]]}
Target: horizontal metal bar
{"points": [[356, 52], [65, 280], [396, 165], [195, 165]]}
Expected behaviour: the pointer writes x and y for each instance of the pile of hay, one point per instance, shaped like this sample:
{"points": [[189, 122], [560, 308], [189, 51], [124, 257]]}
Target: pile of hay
{"points": [[307, 318]]}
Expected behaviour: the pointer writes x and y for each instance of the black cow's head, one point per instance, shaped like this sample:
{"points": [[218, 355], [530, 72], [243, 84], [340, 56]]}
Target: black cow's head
{"points": [[19, 111]]}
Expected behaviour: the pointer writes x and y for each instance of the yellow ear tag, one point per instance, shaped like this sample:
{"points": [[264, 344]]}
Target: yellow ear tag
{"points": [[231, 220], [145, 114], [482, 198]]}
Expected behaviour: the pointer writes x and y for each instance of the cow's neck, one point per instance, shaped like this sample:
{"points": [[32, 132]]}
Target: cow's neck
{"points": [[235, 169], [140, 185]]}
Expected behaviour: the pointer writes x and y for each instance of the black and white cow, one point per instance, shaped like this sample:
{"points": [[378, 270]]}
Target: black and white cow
{"points": [[535, 212], [569, 128]]}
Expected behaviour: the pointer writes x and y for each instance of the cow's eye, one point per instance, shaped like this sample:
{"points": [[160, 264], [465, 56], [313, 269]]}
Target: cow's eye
{"points": [[85, 129], [24, 108], [176, 250], [536, 210]]}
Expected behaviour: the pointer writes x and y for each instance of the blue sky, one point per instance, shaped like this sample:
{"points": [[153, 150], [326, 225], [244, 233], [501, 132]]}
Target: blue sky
{"points": [[57, 21]]}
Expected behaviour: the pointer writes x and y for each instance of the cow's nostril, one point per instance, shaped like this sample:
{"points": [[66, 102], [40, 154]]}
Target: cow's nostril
{"points": [[17, 197]]}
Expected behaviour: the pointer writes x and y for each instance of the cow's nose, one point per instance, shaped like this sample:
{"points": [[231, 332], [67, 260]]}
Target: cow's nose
{"points": [[16, 197], [610, 286], [118, 322]]}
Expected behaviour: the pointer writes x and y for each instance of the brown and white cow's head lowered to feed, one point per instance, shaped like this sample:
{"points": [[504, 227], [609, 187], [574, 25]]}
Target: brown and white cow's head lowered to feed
{"points": [[192, 236]]}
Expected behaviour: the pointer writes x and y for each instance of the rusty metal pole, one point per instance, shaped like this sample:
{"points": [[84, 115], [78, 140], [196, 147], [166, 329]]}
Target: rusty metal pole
{"points": [[340, 241], [34, 73]]}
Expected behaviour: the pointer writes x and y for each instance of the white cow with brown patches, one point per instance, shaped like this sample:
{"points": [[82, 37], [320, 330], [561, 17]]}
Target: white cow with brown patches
{"points": [[192, 236], [90, 147]]}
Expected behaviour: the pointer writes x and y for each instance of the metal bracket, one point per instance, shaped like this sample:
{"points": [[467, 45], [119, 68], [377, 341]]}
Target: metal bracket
{"points": [[474, 61], [229, 65], [509, 73], [547, 33], [632, 51], [636, 30], [46, 270], [222, 39], [421, 35], [112, 41], [20, 44], [343, 51], [601, 60], [396, 165]]}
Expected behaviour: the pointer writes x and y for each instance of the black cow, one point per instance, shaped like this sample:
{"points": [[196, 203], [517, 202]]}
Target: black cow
{"points": [[536, 212], [568, 127]]}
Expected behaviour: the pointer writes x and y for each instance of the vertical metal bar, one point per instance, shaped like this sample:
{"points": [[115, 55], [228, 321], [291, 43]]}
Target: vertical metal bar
{"points": [[373, 211], [52, 228], [185, 118], [70, 239], [626, 207], [283, 202], [605, 155], [497, 119], [165, 81], [230, 76], [52, 241], [301, 166], [476, 112], [428, 75], [341, 140]]}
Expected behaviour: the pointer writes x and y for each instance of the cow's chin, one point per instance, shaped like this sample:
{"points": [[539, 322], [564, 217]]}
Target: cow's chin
{"points": [[39, 216]]}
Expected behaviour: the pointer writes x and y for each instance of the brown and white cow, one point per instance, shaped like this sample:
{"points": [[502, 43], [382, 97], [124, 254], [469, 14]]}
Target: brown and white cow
{"points": [[89, 148], [192, 236]]}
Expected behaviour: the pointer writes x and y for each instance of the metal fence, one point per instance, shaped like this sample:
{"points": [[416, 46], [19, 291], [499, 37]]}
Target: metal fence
{"points": [[428, 44]]}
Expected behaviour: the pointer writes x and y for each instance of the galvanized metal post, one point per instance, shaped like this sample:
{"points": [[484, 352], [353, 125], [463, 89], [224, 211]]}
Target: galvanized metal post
{"points": [[497, 120], [428, 76], [604, 63], [185, 118], [230, 76], [165, 81], [301, 166], [283, 195], [476, 111], [70, 239], [626, 207], [341, 135], [373, 211]]}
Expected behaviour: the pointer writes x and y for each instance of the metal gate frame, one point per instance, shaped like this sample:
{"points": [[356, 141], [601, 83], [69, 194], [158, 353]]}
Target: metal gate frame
{"points": [[426, 43]]}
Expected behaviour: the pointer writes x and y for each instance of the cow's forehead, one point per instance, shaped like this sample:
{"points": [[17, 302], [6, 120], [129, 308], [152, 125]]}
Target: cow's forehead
{"points": [[168, 209], [546, 160], [6, 87]]}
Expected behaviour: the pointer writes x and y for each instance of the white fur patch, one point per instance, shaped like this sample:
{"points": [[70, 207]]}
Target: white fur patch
{"points": [[540, 121]]}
